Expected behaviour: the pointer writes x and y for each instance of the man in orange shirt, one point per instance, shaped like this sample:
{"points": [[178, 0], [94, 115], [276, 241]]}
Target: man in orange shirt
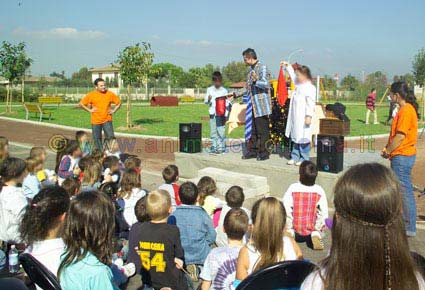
{"points": [[98, 103]]}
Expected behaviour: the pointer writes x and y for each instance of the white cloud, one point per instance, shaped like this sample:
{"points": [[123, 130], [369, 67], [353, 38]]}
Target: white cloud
{"points": [[155, 37], [188, 42], [60, 33]]}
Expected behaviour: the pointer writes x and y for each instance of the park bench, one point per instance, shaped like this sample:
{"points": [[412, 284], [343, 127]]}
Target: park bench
{"points": [[187, 99], [50, 100], [37, 109]]}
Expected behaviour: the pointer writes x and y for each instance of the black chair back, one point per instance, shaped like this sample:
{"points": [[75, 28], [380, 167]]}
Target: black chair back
{"points": [[11, 283], [282, 275], [38, 273], [419, 261]]}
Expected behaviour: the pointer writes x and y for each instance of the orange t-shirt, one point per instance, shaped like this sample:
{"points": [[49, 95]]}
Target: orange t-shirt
{"points": [[405, 122], [101, 101]]}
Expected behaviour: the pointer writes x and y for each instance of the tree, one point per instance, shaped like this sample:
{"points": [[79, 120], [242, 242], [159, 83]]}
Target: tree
{"points": [[135, 64], [13, 64], [163, 71], [376, 80], [329, 83], [419, 74], [82, 74], [349, 83], [235, 71], [409, 78], [58, 75]]}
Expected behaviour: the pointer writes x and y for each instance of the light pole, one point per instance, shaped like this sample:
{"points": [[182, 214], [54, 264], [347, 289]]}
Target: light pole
{"points": [[299, 50]]}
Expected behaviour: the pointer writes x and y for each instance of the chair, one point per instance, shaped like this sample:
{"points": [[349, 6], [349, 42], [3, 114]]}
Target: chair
{"points": [[38, 273], [11, 283], [419, 261], [282, 275]]}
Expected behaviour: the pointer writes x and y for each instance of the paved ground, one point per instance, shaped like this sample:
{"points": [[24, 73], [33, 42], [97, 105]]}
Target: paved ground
{"points": [[30, 135]]}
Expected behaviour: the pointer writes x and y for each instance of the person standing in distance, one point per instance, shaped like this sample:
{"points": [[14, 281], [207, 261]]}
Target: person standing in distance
{"points": [[98, 104]]}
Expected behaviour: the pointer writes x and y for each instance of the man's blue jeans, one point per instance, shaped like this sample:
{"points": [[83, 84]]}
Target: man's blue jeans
{"points": [[108, 130], [218, 129], [402, 167], [300, 152]]}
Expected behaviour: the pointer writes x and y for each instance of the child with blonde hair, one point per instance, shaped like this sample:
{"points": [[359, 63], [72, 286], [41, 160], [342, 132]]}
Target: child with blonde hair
{"points": [[31, 184], [268, 244], [207, 189]]}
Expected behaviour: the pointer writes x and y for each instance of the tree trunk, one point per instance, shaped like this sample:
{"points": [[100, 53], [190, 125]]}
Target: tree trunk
{"points": [[23, 89], [129, 123], [146, 90], [423, 102], [10, 99], [7, 97]]}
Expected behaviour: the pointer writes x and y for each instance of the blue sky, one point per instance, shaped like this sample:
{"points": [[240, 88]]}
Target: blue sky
{"points": [[336, 36]]}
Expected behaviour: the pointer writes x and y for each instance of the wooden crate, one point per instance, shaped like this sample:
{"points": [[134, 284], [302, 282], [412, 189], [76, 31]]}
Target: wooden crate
{"points": [[333, 126]]}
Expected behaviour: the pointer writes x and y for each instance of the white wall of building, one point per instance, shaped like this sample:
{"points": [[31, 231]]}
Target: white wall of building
{"points": [[104, 75]]}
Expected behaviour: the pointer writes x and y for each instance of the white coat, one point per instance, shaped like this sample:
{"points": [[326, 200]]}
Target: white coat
{"points": [[302, 104]]}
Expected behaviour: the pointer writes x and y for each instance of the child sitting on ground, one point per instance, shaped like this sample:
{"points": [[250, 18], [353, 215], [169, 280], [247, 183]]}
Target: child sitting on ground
{"points": [[129, 193], [369, 248], [207, 188], [31, 184], [111, 167], [234, 199], [268, 244], [133, 163], [45, 176], [170, 174], [156, 245], [41, 226], [88, 236], [72, 186], [91, 178], [306, 207], [121, 226], [4, 148], [220, 266], [68, 162], [83, 139], [196, 228], [12, 198]]}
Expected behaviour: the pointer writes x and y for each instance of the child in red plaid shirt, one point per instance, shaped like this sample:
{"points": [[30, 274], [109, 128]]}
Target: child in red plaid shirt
{"points": [[306, 207]]}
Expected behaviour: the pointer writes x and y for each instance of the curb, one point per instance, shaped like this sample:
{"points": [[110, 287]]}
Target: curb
{"points": [[120, 134]]}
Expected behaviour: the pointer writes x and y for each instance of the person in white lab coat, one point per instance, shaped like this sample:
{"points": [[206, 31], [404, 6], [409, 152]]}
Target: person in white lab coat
{"points": [[300, 116]]}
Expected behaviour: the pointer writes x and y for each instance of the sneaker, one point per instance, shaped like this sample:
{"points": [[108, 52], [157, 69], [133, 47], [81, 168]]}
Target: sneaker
{"points": [[317, 241], [298, 163], [377, 123], [291, 162], [129, 269], [193, 272]]}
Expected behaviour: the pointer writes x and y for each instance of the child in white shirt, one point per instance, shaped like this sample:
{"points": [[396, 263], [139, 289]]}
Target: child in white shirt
{"points": [[129, 193], [306, 207], [170, 174], [12, 198]]}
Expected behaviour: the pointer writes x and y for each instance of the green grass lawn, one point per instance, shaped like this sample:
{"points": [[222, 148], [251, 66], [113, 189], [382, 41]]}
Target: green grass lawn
{"points": [[163, 121]]}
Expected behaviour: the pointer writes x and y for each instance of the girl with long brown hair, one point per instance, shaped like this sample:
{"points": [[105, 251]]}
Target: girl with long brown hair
{"points": [[268, 244], [130, 192], [91, 178], [369, 247], [88, 235]]}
